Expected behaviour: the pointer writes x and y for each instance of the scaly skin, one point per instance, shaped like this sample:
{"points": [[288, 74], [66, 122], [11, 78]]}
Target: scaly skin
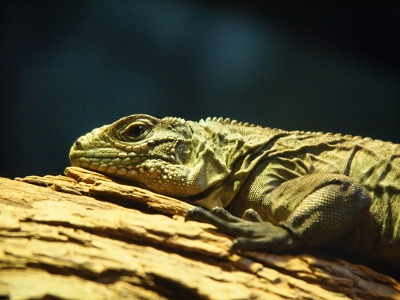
{"points": [[309, 189]]}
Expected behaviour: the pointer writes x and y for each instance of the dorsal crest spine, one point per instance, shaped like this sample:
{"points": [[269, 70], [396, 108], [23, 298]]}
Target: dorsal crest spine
{"points": [[227, 121]]}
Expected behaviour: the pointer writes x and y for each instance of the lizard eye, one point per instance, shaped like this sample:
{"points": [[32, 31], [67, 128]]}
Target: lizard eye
{"points": [[135, 131]]}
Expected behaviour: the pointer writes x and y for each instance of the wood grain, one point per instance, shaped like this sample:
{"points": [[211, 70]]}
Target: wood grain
{"points": [[86, 236]]}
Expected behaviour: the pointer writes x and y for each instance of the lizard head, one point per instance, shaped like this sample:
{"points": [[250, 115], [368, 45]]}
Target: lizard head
{"points": [[162, 155]]}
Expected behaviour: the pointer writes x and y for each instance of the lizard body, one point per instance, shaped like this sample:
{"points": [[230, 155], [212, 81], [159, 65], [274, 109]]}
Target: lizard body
{"points": [[294, 189]]}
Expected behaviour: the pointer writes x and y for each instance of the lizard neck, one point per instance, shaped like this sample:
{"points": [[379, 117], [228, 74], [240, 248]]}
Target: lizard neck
{"points": [[237, 150], [231, 142]]}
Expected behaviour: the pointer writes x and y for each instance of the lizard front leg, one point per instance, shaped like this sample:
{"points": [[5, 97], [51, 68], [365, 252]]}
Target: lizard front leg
{"points": [[324, 207]]}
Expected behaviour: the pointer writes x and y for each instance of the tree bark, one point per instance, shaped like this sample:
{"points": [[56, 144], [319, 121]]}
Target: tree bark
{"points": [[86, 236]]}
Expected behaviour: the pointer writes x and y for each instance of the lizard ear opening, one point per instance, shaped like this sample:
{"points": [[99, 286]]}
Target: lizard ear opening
{"points": [[183, 154]]}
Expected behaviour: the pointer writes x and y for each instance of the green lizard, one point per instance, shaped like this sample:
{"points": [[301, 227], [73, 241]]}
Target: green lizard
{"points": [[294, 189]]}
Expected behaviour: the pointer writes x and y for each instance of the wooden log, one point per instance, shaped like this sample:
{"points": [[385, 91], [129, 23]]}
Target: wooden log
{"points": [[87, 236]]}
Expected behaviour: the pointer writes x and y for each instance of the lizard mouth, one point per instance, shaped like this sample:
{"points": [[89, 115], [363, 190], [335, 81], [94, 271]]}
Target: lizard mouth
{"points": [[119, 163]]}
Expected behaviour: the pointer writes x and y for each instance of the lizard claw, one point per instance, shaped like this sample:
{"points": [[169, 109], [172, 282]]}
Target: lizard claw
{"points": [[252, 235]]}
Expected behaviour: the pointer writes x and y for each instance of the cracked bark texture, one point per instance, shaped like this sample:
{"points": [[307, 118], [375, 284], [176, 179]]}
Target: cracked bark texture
{"points": [[86, 236]]}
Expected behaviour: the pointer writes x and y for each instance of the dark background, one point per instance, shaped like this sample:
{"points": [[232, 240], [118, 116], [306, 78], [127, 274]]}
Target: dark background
{"points": [[70, 66]]}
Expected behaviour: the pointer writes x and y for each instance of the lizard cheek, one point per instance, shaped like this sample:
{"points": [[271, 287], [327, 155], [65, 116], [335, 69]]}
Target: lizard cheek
{"points": [[183, 154]]}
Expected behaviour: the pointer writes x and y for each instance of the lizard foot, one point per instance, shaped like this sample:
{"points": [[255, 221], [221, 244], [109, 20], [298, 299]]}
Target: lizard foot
{"points": [[252, 232]]}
